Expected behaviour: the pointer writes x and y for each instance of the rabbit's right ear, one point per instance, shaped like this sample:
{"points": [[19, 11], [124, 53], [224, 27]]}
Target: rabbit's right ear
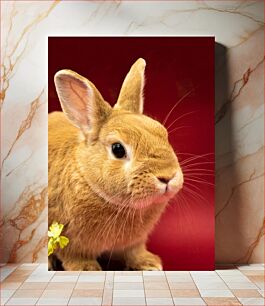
{"points": [[80, 100], [131, 94]]}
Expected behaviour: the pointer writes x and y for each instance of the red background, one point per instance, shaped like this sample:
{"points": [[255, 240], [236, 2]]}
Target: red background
{"points": [[184, 237]]}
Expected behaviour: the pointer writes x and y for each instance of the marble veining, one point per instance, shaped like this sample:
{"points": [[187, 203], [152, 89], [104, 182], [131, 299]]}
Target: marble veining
{"points": [[239, 119]]}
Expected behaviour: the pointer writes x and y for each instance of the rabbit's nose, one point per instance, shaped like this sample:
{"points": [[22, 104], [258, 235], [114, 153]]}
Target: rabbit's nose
{"points": [[164, 180]]}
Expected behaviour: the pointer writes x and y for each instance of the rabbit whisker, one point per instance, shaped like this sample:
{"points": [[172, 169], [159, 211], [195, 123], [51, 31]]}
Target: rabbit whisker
{"points": [[182, 116], [197, 196], [196, 164], [200, 170], [103, 228], [189, 173], [115, 240], [198, 180], [116, 215], [179, 128], [195, 157], [176, 104]]}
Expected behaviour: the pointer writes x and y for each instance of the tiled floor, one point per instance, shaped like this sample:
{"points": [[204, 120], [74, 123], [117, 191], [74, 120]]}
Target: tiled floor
{"points": [[32, 284]]}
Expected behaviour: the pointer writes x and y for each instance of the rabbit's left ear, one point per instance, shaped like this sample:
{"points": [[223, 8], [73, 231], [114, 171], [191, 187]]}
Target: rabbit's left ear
{"points": [[131, 94]]}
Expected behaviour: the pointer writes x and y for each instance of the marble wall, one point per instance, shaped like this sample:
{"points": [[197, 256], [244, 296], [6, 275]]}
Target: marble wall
{"points": [[237, 25]]}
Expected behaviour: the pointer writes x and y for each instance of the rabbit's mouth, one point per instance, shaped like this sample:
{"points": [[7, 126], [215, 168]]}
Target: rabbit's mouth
{"points": [[155, 190], [155, 198]]}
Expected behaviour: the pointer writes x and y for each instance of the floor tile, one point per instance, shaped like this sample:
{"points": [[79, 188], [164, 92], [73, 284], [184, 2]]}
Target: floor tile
{"points": [[251, 301], [28, 293], [68, 273], [241, 285], [256, 278], [89, 286], [217, 301], [224, 266], [63, 279], [28, 266], [176, 273], [107, 297], [87, 293], [260, 285], [130, 286], [182, 293], [156, 285], [128, 301], [10, 285], [246, 293], [6, 271], [41, 271], [96, 273], [16, 278], [128, 279], [216, 293], [154, 278], [203, 273], [188, 301], [110, 284], [7, 293], [30, 284], [33, 286], [128, 293], [153, 273], [253, 272], [3, 300], [251, 267], [207, 278], [56, 294], [11, 265], [151, 293], [211, 285], [58, 286], [159, 301], [91, 278], [111, 274], [261, 292], [179, 278], [85, 301], [232, 272], [182, 286], [235, 279], [21, 272], [39, 278], [53, 301], [131, 273], [22, 301]]}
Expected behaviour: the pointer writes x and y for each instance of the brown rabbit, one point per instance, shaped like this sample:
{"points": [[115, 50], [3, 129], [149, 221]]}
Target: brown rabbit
{"points": [[112, 171]]}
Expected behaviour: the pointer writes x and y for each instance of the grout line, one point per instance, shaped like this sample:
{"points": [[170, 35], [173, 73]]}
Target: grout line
{"points": [[144, 288], [169, 289], [104, 289], [70, 297], [112, 290], [76, 281]]}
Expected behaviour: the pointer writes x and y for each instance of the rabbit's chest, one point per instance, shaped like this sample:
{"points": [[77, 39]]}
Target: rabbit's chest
{"points": [[125, 230]]}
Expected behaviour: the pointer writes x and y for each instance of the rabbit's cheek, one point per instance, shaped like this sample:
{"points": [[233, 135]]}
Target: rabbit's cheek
{"points": [[176, 183]]}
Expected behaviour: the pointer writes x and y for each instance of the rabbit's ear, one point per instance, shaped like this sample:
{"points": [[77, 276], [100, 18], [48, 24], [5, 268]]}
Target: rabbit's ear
{"points": [[80, 100], [131, 94]]}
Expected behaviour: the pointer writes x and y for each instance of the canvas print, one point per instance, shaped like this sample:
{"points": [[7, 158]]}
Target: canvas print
{"points": [[131, 153]]}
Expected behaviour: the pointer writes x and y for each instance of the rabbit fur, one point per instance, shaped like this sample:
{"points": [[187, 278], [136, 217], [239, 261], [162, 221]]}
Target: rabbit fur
{"points": [[108, 204]]}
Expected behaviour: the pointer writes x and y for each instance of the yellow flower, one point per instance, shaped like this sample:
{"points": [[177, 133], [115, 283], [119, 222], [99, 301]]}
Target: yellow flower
{"points": [[55, 238], [55, 230]]}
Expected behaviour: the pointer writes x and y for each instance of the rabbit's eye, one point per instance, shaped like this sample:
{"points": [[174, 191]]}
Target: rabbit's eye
{"points": [[118, 150]]}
